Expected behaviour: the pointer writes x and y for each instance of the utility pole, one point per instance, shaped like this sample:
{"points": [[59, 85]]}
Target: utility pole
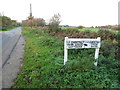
{"points": [[2, 13], [30, 18], [0, 19]]}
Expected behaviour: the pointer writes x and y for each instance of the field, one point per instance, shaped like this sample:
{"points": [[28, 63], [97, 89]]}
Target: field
{"points": [[89, 29], [43, 63]]}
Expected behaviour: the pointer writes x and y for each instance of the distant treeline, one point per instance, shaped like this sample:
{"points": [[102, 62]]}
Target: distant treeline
{"points": [[114, 27], [34, 22], [7, 22], [53, 23]]}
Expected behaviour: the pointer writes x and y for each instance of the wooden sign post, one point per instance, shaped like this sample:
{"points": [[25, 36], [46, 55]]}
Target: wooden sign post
{"points": [[78, 43]]}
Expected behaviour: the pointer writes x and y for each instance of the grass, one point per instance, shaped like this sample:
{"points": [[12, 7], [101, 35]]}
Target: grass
{"points": [[97, 29], [65, 28], [90, 29], [43, 65], [8, 29]]}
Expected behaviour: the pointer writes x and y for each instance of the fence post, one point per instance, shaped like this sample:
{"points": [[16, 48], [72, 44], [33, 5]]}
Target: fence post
{"points": [[96, 56], [97, 53], [65, 50]]}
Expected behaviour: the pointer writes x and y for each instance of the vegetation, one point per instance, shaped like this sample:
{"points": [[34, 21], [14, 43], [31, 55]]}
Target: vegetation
{"points": [[115, 27], [80, 27], [43, 63], [8, 29], [7, 23], [54, 23], [36, 22], [115, 31]]}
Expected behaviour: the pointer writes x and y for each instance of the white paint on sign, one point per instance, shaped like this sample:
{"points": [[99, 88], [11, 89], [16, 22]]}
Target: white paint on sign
{"points": [[78, 43]]}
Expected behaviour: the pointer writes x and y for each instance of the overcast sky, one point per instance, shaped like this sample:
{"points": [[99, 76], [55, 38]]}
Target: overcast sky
{"points": [[73, 12]]}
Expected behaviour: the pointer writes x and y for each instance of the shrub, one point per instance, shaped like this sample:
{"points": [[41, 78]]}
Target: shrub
{"points": [[105, 34], [54, 23], [109, 48], [87, 34], [80, 27], [118, 47]]}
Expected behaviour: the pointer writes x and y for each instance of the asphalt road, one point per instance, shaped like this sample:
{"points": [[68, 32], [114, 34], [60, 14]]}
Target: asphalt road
{"points": [[13, 65], [8, 40]]}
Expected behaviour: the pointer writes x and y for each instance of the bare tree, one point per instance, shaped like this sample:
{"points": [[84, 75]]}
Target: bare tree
{"points": [[39, 22], [54, 22]]}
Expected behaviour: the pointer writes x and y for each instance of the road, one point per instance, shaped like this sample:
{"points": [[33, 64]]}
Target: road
{"points": [[8, 40], [13, 65]]}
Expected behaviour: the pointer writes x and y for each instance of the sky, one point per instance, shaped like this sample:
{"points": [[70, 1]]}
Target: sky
{"points": [[73, 12]]}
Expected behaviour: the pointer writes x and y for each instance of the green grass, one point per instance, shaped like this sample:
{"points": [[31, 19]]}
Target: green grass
{"points": [[43, 65], [65, 28], [8, 29], [97, 29], [91, 29], [88, 29]]}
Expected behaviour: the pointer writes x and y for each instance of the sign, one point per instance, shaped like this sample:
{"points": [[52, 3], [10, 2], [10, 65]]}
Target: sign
{"points": [[78, 43]]}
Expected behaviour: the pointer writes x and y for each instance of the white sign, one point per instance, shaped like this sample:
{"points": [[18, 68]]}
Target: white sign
{"points": [[77, 43]]}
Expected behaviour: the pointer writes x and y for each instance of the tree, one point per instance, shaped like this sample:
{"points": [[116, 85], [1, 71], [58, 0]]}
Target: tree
{"points": [[35, 22], [0, 21], [80, 27], [24, 23], [39, 22], [54, 23], [14, 23], [7, 22]]}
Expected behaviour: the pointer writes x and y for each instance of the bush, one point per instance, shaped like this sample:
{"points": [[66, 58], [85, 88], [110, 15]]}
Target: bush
{"points": [[105, 34], [118, 47], [109, 48], [87, 34], [54, 23], [80, 27]]}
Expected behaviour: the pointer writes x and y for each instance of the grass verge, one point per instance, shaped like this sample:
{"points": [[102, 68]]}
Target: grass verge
{"points": [[8, 29], [43, 65]]}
